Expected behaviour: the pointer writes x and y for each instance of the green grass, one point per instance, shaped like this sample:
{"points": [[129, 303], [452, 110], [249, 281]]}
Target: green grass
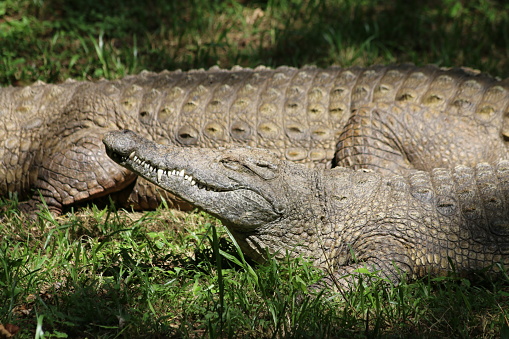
{"points": [[54, 39], [103, 273]]}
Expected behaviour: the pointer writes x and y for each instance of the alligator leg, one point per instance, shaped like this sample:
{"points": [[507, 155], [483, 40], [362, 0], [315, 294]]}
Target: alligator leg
{"points": [[397, 138], [78, 171], [390, 262]]}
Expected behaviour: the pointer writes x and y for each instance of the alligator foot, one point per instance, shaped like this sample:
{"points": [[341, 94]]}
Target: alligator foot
{"points": [[80, 171]]}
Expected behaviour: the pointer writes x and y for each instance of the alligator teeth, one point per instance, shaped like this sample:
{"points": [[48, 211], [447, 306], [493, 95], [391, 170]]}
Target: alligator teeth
{"points": [[161, 172]]}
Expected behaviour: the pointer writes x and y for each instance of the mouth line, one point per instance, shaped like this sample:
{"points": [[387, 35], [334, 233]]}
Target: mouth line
{"points": [[175, 173]]}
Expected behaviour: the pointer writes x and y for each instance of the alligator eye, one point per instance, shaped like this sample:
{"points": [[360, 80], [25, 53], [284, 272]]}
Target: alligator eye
{"points": [[263, 169], [268, 165], [233, 165]]}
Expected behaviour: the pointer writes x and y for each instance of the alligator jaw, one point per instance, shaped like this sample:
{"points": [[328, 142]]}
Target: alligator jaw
{"points": [[204, 177], [164, 176]]}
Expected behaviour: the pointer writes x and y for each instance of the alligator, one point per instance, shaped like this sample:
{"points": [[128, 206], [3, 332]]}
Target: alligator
{"points": [[341, 219], [388, 118]]}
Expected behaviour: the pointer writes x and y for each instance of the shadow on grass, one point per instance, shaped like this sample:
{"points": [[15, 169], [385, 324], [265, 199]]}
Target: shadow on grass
{"points": [[444, 33], [89, 308], [194, 34], [312, 31], [118, 299]]}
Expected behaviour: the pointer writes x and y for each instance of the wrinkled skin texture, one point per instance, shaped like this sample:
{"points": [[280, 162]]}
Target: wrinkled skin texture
{"points": [[415, 223], [387, 118]]}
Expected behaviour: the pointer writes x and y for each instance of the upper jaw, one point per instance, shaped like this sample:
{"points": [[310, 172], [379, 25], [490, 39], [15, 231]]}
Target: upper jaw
{"points": [[152, 160], [161, 174]]}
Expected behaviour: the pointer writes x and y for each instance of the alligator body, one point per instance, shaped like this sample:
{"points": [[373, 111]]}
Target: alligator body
{"points": [[339, 218], [390, 118]]}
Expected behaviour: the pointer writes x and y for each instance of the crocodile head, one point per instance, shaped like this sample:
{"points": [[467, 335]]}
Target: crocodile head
{"points": [[266, 202]]}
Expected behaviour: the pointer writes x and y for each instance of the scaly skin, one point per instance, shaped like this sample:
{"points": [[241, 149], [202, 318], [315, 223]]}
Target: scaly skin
{"points": [[50, 135], [418, 223]]}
